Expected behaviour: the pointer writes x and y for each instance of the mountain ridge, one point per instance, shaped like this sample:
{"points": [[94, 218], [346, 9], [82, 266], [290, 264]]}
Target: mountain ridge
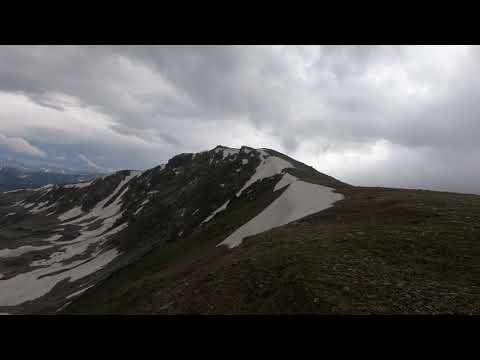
{"points": [[88, 247], [159, 205]]}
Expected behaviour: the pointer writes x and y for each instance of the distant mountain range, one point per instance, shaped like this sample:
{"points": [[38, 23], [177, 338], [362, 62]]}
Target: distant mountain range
{"points": [[15, 175], [65, 163]]}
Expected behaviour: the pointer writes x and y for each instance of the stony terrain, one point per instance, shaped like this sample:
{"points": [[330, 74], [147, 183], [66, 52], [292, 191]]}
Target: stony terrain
{"points": [[189, 236]]}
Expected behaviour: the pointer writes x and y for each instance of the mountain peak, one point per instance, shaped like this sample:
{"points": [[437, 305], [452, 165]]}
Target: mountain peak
{"points": [[170, 229], [231, 192]]}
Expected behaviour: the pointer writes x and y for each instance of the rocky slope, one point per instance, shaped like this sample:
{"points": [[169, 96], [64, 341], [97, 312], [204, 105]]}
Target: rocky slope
{"points": [[58, 241], [237, 231]]}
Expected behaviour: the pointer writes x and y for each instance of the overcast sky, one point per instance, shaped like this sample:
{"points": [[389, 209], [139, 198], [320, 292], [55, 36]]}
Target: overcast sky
{"points": [[369, 115]]}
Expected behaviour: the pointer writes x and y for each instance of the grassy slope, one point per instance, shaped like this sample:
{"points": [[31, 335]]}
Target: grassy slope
{"points": [[378, 251]]}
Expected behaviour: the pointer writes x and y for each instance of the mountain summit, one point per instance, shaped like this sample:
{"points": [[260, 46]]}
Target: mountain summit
{"points": [[79, 232], [192, 229]]}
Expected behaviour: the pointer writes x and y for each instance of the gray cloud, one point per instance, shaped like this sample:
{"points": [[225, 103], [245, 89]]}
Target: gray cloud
{"points": [[407, 115], [90, 162], [19, 145]]}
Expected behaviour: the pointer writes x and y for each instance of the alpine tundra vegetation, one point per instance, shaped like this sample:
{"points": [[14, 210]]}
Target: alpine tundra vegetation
{"points": [[236, 231]]}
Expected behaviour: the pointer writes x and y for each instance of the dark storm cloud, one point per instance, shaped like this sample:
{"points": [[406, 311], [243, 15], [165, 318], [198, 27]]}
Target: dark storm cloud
{"points": [[405, 114]]}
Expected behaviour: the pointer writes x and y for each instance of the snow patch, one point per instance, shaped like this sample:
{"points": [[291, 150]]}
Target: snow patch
{"points": [[7, 253], [99, 211], [44, 188], [226, 152], [145, 202], [80, 244], [53, 239], [286, 179], [63, 306], [14, 191], [270, 165], [78, 185], [41, 207], [36, 283], [221, 208], [109, 214], [19, 203], [72, 213], [76, 293], [297, 201]]}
